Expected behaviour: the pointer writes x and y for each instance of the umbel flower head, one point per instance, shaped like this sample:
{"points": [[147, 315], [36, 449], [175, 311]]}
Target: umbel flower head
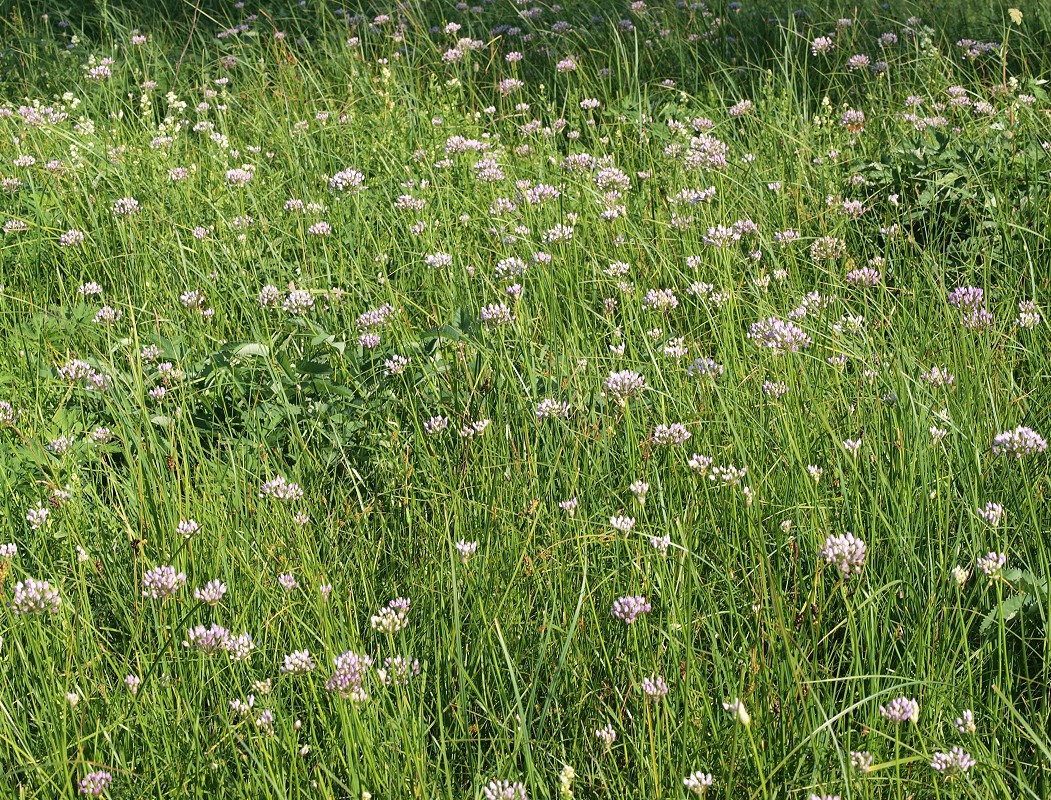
{"points": [[846, 551], [901, 709], [624, 385], [33, 597]]}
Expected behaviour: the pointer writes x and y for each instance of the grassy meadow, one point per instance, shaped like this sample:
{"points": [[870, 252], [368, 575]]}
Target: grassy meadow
{"points": [[585, 400]]}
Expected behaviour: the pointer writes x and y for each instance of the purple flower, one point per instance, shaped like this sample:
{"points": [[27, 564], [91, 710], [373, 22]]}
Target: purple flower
{"points": [[162, 581], [955, 762], [992, 563], [901, 709], [33, 597], [209, 640], [95, 783], [298, 663], [624, 385], [779, 336], [348, 679], [846, 551], [654, 687], [504, 790], [1020, 442], [629, 608]]}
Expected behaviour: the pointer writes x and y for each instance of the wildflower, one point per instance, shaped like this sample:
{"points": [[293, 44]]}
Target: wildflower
{"points": [[628, 609], [466, 550], [822, 45], [970, 300], [827, 248], [472, 429], [212, 639], [700, 464], [133, 682], [71, 238], [965, 722], [281, 489], [728, 475], [95, 783], [660, 300], [861, 760], [654, 687], [901, 709], [504, 790], [239, 177], [864, 276], [435, 425], [212, 593], [1020, 442], [569, 506], [265, 722], [740, 713], [37, 517], [960, 575], [775, 389], [937, 377], [852, 446], [721, 236], [992, 563], [33, 597], [1028, 316], [565, 781], [607, 735], [240, 647], [992, 513], [298, 663], [125, 207], [162, 581], [348, 181], [187, 528], [661, 544], [392, 618], [298, 302], [668, 435], [348, 678], [395, 365], [698, 782], [622, 524], [955, 762], [288, 581], [397, 670], [638, 490], [846, 551], [781, 337], [8, 551], [705, 368], [740, 108], [550, 408], [706, 153], [625, 385], [495, 315]]}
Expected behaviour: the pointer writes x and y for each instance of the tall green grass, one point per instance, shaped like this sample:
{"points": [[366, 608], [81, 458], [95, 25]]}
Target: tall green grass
{"points": [[520, 658]]}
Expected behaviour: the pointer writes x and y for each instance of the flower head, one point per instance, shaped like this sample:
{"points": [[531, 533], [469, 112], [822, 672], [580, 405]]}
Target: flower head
{"points": [[33, 597], [629, 608], [901, 709], [846, 551], [162, 581]]}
